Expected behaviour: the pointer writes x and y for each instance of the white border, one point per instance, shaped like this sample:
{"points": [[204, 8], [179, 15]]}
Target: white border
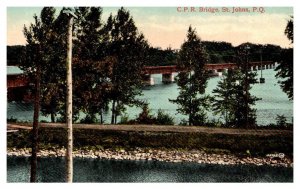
{"points": [[141, 3]]}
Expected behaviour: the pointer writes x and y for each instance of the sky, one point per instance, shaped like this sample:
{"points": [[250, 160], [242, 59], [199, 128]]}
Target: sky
{"points": [[167, 26]]}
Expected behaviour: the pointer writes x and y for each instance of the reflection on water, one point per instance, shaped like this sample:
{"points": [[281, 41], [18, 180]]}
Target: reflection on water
{"points": [[96, 170], [274, 102]]}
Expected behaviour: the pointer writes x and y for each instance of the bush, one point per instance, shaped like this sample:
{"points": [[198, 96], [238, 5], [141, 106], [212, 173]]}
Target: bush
{"points": [[281, 121], [145, 117], [124, 119], [164, 118], [89, 119]]}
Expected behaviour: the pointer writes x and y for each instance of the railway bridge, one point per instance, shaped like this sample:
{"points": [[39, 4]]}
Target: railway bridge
{"points": [[213, 70], [18, 85]]}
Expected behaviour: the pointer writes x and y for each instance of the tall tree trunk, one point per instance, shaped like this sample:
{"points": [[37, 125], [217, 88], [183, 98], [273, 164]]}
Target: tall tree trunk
{"points": [[190, 101], [113, 112], [34, 147], [52, 117], [101, 116], [53, 109], [69, 157], [117, 112]]}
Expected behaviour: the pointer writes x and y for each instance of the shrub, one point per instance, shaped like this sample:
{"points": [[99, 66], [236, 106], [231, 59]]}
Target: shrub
{"points": [[164, 118], [145, 117], [89, 119], [281, 121]]}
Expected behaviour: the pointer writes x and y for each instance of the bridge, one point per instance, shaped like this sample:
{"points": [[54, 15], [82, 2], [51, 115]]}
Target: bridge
{"points": [[213, 70], [18, 85]]}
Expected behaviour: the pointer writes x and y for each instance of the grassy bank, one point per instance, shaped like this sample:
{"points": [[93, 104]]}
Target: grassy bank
{"points": [[254, 145]]}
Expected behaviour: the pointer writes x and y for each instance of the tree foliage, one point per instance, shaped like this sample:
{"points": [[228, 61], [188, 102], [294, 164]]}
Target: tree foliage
{"points": [[193, 80], [286, 62], [91, 68], [232, 99], [45, 33], [129, 48], [245, 114]]}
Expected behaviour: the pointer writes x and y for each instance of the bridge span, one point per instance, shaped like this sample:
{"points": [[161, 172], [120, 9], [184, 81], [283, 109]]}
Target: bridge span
{"points": [[18, 85], [213, 70]]}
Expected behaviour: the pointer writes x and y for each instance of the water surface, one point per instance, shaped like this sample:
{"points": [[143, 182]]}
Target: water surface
{"points": [[274, 101], [97, 170]]}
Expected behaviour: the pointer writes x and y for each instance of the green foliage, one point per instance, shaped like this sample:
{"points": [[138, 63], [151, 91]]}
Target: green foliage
{"points": [[193, 80], [281, 121], [15, 55], [159, 57], [145, 117], [89, 119], [232, 99], [95, 139], [124, 119], [163, 118], [107, 61], [285, 72], [289, 29], [91, 67], [46, 46], [285, 69], [129, 48]]}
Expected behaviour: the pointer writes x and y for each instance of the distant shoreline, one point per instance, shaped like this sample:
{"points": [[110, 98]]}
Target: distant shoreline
{"points": [[196, 156]]}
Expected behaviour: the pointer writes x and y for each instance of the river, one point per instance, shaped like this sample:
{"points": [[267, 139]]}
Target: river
{"points": [[274, 101], [99, 170]]}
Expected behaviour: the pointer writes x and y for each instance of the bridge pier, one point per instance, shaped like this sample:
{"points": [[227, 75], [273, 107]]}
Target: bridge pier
{"points": [[148, 80], [213, 73], [167, 78]]}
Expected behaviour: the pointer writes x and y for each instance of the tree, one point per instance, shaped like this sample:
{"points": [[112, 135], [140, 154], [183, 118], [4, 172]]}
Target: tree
{"points": [[192, 80], [129, 48], [224, 102], [45, 39], [36, 36], [245, 113], [92, 68], [285, 67], [232, 98], [69, 101], [51, 35]]}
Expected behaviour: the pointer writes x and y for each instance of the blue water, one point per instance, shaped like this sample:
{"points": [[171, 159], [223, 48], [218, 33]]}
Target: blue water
{"points": [[97, 170], [274, 101]]}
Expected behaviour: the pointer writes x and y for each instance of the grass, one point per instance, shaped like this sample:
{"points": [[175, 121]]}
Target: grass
{"points": [[95, 139]]}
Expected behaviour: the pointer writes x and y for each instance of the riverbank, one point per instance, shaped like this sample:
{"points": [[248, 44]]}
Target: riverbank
{"points": [[167, 155]]}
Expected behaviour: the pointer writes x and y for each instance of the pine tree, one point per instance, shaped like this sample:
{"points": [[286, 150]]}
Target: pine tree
{"points": [[224, 102], [245, 114], [192, 80]]}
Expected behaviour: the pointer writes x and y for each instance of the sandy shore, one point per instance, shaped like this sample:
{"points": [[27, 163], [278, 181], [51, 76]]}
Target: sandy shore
{"points": [[162, 155]]}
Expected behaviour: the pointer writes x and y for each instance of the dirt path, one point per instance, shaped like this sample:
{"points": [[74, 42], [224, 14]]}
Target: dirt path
{"points": [[157, 128]]}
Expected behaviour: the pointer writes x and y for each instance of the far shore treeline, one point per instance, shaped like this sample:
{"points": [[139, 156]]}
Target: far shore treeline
{"points": [[218, 52], [108, 58]]}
